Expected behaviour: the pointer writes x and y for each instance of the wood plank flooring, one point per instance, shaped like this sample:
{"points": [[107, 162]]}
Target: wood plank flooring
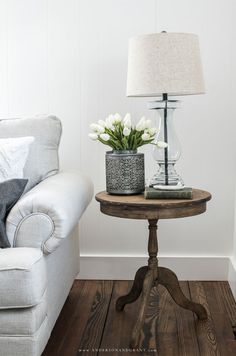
{"points": [[89, 324]]}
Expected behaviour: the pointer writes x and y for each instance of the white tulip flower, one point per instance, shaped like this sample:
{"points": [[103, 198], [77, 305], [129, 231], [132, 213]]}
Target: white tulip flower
{"points": [[93, 136], [117, 132], [162, 144], [110, 122], [111, 118], [117, 118], [97, 128], [127, 116], [126, 131], [152, 131], [102, 123], [145, 136], [93, 127], [105, 137], [148, 124], [127, 121], [141, 124]]}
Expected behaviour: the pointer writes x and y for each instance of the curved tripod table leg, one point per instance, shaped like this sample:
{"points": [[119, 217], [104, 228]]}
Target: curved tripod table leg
{"points": [[135, 290], [147, 286], [169, 280]]}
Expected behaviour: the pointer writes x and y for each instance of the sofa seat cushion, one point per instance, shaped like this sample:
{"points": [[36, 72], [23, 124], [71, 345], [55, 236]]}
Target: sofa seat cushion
{"points": [[22, 277], [42, 160], [25, 345], [23, 321]]}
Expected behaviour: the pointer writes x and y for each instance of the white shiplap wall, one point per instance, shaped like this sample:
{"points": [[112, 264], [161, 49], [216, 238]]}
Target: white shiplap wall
{"points": [[68, 57]]}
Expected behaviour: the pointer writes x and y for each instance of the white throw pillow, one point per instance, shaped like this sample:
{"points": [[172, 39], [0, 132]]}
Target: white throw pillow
{"points": [[13, 156]]}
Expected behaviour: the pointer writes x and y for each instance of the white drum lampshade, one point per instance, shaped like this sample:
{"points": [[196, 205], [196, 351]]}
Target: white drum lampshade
{"points": [[164, 63]]}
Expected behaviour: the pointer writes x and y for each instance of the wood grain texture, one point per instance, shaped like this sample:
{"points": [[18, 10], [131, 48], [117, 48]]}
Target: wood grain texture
{"points": [[89, 314], [85, 312], [205, 330], [166, 337], [169, 280], [135, 291], [221, 320], [187, 339], [148, 336], [176, 335], [137, 207], [92, 333], [119, 326], [228, 300], [124, 200], [147, 286]]}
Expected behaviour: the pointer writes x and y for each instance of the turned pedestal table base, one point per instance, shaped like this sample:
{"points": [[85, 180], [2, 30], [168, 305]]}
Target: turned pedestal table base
{"points": [[136, 207], [148, 276]]}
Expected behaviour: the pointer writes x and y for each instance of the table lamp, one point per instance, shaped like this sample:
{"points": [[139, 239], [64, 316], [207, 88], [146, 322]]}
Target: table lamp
{"points": [[165, 64]]}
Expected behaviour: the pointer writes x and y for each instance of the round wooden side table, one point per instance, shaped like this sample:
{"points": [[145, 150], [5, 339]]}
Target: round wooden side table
{"points": [[137, 207]]}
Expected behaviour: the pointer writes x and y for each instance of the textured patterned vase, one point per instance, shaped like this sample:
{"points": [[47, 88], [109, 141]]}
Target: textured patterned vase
{"points": [[124, 172]]}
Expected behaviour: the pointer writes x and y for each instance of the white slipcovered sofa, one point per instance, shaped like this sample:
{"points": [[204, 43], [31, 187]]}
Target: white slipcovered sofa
{"points": [[36, 274]]}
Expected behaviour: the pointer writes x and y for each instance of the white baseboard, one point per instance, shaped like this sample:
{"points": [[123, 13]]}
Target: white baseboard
{"points": [[124, 267], [232, 276]]}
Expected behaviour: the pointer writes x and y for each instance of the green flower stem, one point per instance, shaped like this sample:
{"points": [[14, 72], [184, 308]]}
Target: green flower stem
{"points": [[146, 142], [125, 143], [105, 142], [110, 133], [118, 141], [131, 141], [134, 146], [120, 131]]}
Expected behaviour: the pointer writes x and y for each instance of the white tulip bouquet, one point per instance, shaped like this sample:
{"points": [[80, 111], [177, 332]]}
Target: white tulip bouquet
{"points": [[120, 134]]}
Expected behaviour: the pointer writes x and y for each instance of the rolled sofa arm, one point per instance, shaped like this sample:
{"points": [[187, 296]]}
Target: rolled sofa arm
{"points": [[49, 212]]}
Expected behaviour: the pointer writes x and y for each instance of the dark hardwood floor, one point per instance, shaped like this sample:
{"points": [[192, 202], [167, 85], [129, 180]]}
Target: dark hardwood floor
{"points": [[89, 324]]}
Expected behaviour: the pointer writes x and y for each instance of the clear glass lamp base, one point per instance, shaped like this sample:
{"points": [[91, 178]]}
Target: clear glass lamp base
{"points": [[166, 157], [160, 177]]}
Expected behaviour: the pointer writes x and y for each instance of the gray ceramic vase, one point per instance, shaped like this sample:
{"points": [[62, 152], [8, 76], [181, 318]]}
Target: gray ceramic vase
{"points": [[124, 172]]}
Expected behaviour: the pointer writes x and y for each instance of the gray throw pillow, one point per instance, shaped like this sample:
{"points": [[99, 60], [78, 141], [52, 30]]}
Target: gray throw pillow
{"points": [[42, 160], [10, 192]]}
